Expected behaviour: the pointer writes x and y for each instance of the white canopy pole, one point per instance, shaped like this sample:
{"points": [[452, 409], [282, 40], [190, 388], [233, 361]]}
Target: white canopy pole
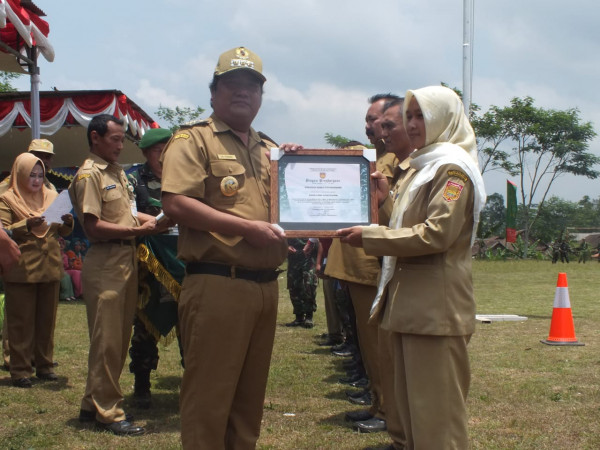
{"points": [[34, 72]]}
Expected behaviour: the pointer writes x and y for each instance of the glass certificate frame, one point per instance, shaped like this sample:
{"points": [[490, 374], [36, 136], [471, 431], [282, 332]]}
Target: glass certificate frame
{"points": [[314, 192]]}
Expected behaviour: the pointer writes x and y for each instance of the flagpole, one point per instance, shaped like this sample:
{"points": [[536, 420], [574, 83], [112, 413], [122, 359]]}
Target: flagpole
{"points": [[467, 53]]}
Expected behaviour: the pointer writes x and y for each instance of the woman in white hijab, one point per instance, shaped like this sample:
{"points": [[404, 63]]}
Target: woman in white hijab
{"points": [[425, 306]]}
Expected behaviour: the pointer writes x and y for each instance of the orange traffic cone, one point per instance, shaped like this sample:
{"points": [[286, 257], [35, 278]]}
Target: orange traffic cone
{"points": [[562, 330]]}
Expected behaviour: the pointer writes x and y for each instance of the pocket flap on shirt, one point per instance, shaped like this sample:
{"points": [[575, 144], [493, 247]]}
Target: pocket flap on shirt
{"points": [[226, 168]]}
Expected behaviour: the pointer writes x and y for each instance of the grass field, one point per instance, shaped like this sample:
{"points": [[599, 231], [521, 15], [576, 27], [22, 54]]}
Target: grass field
{"points": [[524, 395]]}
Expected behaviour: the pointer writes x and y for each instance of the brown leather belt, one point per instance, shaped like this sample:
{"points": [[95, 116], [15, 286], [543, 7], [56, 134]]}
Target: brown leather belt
{"points": [[258, 276]]}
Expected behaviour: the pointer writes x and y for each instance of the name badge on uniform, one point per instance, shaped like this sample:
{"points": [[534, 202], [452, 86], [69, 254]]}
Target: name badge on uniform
{"points": [[133, 208], [112, 186], [229, 186]]}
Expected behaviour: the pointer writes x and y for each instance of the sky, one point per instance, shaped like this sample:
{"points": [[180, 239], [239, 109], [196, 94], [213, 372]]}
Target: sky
{"points": [[324, 58]]}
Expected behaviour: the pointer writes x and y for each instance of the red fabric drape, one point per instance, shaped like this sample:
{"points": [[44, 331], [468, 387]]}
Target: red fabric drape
{"points": [[6, 107], [49, 107], [19, 11], [93, 103], [42, 25]]}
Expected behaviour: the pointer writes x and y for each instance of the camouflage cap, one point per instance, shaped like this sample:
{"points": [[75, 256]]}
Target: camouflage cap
{"points": [[41, 145], [240, 58]]}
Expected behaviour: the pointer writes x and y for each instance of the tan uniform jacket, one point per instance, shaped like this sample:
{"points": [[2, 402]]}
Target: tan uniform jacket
{"points": [[102, 190], [348, 263], [40, 260], [431, 291], [207, 161]]}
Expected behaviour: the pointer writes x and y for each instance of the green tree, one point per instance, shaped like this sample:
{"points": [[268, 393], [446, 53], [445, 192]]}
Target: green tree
{"points": [[6, 79], [552, 220], [546, 144], [336, 141], [490, 136], [492, 219], [587, 214], [177, 116]]}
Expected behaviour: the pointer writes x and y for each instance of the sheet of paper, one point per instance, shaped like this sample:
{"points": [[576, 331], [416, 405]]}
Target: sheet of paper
{"points": [[59, 207]]}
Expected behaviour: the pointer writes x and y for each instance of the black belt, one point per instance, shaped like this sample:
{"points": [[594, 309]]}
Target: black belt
{"points": [[118, 241], [258, 276]]}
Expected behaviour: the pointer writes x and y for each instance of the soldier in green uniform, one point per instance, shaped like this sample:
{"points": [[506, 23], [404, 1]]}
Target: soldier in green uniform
{"points": [[302, 280], [146, 181]]}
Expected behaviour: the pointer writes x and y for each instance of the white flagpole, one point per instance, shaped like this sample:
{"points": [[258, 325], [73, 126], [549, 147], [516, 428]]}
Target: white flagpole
{"points": [[467, 53]]}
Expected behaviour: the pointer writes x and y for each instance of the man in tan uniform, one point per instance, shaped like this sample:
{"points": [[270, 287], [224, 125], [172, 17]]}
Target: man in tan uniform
{"points": [[359, 272], [216, 186], [105, 206], [397, 143]]}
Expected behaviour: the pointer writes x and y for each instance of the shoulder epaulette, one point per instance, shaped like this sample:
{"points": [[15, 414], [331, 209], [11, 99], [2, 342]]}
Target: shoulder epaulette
{"points": [[88, 164], [267, 138], [193, 123]]}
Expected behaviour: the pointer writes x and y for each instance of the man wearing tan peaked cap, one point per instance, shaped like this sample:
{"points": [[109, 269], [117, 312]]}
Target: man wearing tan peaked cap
{"points": [[216, 186]]}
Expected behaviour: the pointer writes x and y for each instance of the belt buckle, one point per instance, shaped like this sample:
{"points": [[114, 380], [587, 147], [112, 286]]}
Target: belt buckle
{"points": [[232, 272]]}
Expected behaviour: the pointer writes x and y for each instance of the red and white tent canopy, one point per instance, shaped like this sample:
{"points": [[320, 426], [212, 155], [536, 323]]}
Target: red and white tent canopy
{"points": [[65, 116], [22, 27]]}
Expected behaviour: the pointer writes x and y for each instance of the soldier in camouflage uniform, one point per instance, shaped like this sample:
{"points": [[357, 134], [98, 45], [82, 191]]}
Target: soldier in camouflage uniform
{"points": [[302, 280], [147, 186]]}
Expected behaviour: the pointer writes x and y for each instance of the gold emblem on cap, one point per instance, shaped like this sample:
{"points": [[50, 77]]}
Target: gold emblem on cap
{"points": [[241, 52], [229, 186]]}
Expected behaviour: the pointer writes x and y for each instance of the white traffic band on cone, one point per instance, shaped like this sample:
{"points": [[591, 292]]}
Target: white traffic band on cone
{"points": [[561, 298]]}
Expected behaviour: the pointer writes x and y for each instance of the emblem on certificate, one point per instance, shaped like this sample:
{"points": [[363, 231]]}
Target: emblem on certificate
{"points": [[229, 186]]}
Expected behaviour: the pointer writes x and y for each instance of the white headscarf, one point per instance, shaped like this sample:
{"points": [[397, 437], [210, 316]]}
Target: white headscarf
{"points": [[449, 139]]}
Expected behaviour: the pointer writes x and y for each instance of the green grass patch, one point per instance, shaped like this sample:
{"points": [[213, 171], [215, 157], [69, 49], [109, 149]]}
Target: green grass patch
{"points": [[524, 395]]}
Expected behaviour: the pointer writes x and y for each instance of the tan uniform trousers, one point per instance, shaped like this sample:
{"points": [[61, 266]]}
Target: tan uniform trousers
{"points": [[31, 316], [386, 368], [227, 330], [332, 315], [5, 346], [431, 382], [362, 296], [109, 281]]}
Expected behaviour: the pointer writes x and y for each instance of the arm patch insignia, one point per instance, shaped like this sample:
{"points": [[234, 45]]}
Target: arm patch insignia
{"points": [[452, 191], [458, 174]]}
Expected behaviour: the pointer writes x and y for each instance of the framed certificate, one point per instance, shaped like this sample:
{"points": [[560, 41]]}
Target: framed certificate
{"points": [[314, 192]]}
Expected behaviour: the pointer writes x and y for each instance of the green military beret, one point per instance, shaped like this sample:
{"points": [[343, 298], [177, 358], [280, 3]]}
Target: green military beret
{"points": [[154, 136]]}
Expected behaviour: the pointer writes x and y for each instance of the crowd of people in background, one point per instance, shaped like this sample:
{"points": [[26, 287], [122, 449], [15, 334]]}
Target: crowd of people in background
{"points": [[398, 296]]}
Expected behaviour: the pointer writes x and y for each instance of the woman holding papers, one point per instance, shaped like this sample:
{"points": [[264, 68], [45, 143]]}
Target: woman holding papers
{"points": [[31, 286]]}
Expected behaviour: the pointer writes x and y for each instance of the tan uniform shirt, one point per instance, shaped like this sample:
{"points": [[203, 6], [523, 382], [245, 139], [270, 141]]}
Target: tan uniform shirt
{"points": [[207, 161], [431, 291], [41, 260], [102, 190]]}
